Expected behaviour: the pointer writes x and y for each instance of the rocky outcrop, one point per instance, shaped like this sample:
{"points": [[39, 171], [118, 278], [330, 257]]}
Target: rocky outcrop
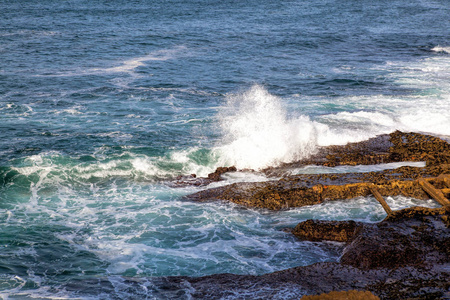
{"points": [[415, 236], [395, 147], [193, 180], [318, 230], [299, 190], [405, 256], [216, 176], [296, 192]]}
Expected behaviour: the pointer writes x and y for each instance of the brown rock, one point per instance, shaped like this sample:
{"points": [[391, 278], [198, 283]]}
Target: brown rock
{"points": [[343, 295], [299, 191], [395, 147], [219, 171], [317, 230]]}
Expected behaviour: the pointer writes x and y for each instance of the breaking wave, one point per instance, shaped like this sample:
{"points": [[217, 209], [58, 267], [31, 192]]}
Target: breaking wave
{"points": [[441, 49], [258, 133]]}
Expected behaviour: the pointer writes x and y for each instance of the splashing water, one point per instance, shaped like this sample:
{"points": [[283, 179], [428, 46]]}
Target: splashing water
{"points": [[258, 132]]}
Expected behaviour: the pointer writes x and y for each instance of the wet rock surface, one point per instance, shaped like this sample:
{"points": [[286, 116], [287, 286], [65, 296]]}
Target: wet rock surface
{"points": [[414, 237], [318, 230], [405, 256], [192, 179], [395, 147], [309, 189]]}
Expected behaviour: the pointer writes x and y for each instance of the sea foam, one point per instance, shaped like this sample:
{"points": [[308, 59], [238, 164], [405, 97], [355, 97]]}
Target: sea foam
{"points": [[257, 132], [130, 65]]}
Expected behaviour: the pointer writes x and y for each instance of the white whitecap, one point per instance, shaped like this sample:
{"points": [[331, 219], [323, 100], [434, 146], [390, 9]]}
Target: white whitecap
{"points": [[129, 65], [441, 49]]}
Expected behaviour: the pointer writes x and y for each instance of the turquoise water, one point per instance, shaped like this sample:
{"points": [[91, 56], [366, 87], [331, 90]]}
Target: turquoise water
{"points": [[103, 104]]}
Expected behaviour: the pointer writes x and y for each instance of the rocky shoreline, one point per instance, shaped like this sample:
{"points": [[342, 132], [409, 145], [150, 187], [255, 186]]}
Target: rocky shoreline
{"points": [[406, 256], [309, 189], [402, 257]]}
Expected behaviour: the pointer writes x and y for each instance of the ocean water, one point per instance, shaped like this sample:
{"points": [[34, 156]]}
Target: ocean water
{"points": [[102, 103]]}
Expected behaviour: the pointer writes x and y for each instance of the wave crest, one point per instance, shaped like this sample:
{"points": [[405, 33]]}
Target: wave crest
{"points": [[441, 49]]}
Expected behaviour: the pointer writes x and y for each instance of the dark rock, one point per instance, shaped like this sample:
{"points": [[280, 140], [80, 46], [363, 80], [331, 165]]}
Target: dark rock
{"points": [[191, 180], [405, 256], [219, 171], [415, 236]]}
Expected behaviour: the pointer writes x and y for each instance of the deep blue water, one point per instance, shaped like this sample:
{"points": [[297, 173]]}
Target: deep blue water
{"points": [[102, 103]]}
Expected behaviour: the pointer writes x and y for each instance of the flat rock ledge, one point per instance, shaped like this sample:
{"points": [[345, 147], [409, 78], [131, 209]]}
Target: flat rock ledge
{"points": [[300, 190], [319, 230]]}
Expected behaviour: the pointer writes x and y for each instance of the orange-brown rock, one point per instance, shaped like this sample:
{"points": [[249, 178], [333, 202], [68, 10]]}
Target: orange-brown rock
{"points": [[295, 192], [415, 147], [395, 147], [343, 295], [309, 189]]}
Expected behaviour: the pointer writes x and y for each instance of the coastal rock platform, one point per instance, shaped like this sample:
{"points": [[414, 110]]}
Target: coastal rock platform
{"points": [[309, 189], [406, 256]]}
